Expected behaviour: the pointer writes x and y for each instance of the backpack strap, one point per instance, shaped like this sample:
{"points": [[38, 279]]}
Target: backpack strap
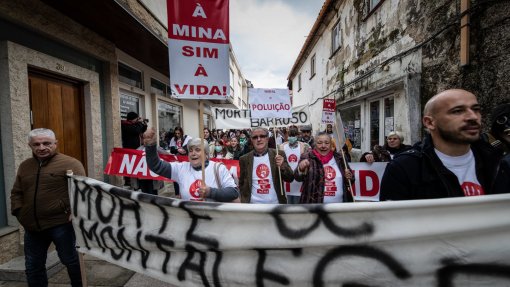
{"points": [[217, 173]]}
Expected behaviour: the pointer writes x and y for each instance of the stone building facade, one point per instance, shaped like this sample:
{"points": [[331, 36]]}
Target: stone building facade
{"points": [[80, 66], [383, 59]]}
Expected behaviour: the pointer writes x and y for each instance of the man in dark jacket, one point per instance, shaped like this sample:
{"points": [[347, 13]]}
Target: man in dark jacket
{"points": [[40, 201], [452, 161], [259, 181], [132, 129]]}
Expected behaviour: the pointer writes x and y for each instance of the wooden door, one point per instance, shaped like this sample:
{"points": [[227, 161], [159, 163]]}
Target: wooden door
{"points": [[57, 104]]}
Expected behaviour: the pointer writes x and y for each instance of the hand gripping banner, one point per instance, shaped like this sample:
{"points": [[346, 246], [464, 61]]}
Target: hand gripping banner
{"points": [[447, 242]]}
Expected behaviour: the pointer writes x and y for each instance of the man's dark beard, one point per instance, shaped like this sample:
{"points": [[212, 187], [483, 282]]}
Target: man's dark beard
{"points": [[453, 136]]}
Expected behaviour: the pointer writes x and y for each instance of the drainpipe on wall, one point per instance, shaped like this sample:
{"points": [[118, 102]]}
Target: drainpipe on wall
{"points": [[464, 33]]}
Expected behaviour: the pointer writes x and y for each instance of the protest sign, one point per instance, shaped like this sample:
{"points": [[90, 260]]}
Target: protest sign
{"points": [[441, 242], [270, 103], [236, 119], [198, 47], [328, 111]]}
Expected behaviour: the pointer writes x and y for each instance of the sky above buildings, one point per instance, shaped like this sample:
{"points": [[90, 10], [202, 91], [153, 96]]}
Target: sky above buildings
{"points": [[267, 36]]}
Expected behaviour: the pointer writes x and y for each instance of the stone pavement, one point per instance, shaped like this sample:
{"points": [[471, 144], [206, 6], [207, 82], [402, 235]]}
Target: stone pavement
{"points": [[99, 273]]}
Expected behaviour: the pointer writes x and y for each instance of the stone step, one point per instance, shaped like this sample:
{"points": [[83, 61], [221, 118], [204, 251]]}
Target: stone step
{"points": [[14, 270]]}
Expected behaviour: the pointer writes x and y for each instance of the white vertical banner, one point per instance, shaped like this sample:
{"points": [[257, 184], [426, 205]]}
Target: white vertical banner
{"points": [[340, 129], [331, 116], [270, 103], [198, 47]]}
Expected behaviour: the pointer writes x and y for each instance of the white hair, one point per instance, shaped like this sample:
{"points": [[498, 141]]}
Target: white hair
{"points": [[41, 132], [398, 134], [199, 143]]}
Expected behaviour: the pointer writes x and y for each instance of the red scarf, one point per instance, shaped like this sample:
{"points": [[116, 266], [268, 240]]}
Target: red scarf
{"points": [[323, 158]]}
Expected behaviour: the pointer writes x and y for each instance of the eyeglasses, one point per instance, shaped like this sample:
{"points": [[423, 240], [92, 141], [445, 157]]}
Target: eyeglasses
{"points": [[259, 137], [39, 144]]}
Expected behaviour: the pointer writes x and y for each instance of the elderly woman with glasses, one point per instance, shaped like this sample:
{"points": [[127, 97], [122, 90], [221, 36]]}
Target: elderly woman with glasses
{"points": [[393, 146], [324, 173], [219, 184]]}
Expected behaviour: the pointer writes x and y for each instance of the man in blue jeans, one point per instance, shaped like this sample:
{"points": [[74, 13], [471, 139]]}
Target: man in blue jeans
{"points": [[40, 201]]}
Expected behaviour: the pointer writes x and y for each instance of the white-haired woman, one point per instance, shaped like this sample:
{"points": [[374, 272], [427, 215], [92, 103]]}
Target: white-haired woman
{"points": [[219, 183], [393, 146]]}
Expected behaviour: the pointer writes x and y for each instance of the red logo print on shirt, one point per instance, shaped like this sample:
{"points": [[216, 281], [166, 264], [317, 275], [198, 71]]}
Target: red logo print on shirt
{"points": [[193, 189], [472, 189], [292, 158], [262, 171], [329, 172]]}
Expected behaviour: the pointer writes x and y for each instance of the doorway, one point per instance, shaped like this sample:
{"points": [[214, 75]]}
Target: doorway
{"points": [[56, 103]]}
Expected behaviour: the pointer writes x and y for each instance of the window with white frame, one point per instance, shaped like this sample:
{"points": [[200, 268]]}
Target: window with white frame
{"points": [[129, 103], [169, 117], [381, 120], [232, 89], [336, 34], [130, 76], [351, 117], [369, 122], [312, 66], [158, 88], [231, 79], [207, 121]]}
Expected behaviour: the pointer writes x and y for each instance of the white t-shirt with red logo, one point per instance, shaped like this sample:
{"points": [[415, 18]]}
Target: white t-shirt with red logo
{"points": [[262, 188], [293, 154], [333, 183], [190, 179], [465, 169]]}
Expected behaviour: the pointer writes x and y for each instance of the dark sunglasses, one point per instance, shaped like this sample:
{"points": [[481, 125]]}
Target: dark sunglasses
{"points": [[259, 137]]}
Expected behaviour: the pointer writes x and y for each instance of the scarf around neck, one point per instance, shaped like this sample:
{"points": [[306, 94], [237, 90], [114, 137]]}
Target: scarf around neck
{"points": [[323, 158]]}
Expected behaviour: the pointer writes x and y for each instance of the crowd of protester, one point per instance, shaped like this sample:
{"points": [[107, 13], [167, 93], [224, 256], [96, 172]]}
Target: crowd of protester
{"points": [[284, 165], [321, 172]]}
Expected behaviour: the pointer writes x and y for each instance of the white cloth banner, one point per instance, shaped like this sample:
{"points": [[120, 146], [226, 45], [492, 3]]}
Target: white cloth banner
{"points": [[235, 119], [270, 103], [446, 242], [198, 49]]}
